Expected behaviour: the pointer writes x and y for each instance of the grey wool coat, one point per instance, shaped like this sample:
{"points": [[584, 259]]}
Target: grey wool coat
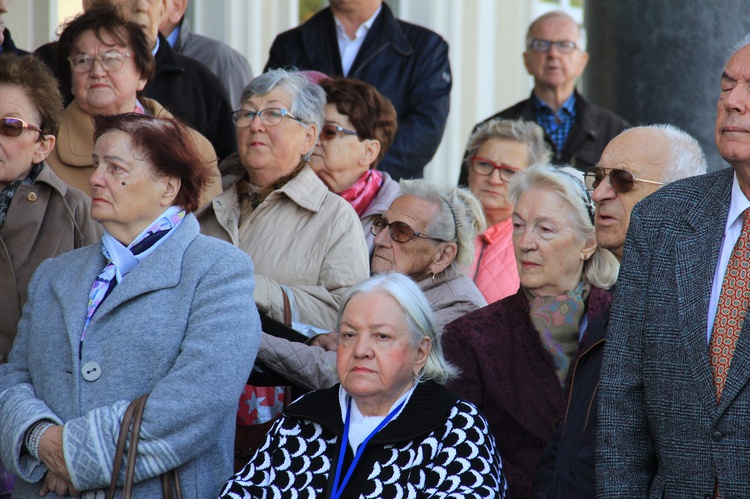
{"points": [[661, 431], [180, 326]]}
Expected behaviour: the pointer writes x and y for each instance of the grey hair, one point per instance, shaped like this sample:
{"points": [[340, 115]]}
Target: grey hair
{"points": [[308, 99], [459, 220], [741, 44], [601, 269], [526, 132], [580, 42], [419, 317], [686, 155]]}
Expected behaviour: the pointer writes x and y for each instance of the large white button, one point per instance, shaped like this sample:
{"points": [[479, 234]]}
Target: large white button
{"points": [[91, 371]]}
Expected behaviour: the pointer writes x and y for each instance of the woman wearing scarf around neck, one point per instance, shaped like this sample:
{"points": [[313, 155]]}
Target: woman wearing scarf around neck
{"points": [[359, 128], [390, 429], [156, 308], [515, 354]]}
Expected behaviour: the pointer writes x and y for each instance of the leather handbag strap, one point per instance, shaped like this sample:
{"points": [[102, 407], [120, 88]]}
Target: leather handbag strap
{"points": [[135, 435], [134, 416], [120, 450]]}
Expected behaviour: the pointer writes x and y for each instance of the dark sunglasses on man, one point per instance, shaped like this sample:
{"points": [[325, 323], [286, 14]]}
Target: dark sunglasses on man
{"points": [[622, 181]]}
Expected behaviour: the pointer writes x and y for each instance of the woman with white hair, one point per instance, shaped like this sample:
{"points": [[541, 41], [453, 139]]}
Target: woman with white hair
{"points": [[515, 354], [426, 233], [306, 242], [390, 429]]}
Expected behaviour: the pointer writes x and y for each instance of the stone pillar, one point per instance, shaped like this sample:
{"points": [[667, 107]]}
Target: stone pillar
{"points": [[660, 61]]}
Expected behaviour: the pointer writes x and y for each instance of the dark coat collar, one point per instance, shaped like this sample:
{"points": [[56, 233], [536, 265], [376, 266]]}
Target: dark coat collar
{"points": [[428, 408], [166, 62], [323, 51]]}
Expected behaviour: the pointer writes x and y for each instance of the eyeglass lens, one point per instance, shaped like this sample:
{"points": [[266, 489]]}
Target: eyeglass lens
{"points": [[271, 116], [622, 181], [110, 61], [486, 167], [399, 231], [564, 46], [13, 127]]}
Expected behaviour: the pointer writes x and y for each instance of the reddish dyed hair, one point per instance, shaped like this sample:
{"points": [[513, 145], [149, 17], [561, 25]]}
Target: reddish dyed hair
{"points": [[371, 113], [169, 148]]}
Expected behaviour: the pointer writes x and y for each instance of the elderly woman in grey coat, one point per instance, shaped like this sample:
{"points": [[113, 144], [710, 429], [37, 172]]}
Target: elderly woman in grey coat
{"points": [[156, 308]]}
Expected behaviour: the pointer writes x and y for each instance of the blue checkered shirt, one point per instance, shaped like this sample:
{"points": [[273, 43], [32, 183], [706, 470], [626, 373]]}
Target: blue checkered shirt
{"points": [[557, 125]]}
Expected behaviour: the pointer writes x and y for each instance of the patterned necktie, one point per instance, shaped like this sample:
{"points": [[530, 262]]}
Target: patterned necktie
{"points": [[732, 308]]}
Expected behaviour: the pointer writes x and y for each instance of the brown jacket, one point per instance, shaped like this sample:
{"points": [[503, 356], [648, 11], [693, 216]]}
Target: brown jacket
{"points": [[71, 157], [302, 237], [44, 220]]}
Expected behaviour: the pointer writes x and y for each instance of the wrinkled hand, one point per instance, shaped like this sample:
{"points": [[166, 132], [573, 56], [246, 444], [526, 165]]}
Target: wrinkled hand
{"points": [[57, 484], [327, 341], [51, 452]]}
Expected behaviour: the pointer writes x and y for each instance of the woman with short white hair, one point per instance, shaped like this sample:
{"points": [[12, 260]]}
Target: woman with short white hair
{"points": [[390, 429]]}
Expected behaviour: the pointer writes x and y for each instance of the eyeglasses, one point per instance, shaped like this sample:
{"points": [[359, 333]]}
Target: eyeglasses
{"points": [[12, 127], [563, 46], [485, 167], [329, 132], [622, 181], [399, 231], [271, 116], [110, 61]]}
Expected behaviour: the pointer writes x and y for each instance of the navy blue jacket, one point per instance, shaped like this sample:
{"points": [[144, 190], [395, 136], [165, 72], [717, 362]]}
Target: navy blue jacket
{"points": [[406, 63]]}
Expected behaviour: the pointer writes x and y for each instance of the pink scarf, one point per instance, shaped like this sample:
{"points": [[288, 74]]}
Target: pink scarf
{"points": [[361, 194]]}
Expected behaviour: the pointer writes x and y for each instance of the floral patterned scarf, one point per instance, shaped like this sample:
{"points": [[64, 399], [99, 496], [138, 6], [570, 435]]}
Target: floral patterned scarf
{"points": [[557, 319]]}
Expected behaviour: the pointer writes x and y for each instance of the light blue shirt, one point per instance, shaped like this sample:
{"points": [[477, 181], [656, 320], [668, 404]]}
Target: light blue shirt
{"points": [[732, 232]]}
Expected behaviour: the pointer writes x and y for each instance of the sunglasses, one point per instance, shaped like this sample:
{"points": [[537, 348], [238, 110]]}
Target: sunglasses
{"points": [[622, 181], [330, 132], [399, 231], [12, 127]]}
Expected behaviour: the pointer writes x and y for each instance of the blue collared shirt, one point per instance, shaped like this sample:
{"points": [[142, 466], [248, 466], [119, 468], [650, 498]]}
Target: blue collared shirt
{"points": [[173, 36], [557, 125]]}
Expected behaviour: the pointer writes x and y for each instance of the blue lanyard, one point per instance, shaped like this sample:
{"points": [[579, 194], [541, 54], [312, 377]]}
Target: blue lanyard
{"points": [[338, 490]]}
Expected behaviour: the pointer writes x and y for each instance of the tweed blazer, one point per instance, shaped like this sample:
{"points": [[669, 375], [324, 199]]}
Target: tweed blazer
{"points": [[661, 431], [180, 326]]}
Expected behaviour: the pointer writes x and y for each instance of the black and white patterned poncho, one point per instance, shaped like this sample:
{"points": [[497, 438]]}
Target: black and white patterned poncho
{"points": [[439, 446]]}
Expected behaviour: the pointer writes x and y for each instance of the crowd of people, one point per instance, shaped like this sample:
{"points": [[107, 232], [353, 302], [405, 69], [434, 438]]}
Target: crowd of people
{"points": [[307, 317]]}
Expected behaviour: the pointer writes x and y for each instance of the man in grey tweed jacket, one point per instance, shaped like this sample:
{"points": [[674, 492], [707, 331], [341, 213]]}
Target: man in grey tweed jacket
{"points": [[662, 432]]}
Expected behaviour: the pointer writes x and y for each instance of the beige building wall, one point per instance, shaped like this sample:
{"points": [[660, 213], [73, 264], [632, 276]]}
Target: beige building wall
{"points": [[486, 39]]}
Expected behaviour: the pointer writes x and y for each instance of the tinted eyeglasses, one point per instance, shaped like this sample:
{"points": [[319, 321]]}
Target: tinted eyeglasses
{"points": [[110, 61], [329, 132], [271, 116], [12, 127], [562, 46], [399, 231], [485, 167], [622, 181]]}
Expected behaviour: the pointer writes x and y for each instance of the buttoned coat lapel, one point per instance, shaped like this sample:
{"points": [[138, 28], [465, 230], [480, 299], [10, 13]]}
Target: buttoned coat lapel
{"points": [[696, 257], [140, 280]]}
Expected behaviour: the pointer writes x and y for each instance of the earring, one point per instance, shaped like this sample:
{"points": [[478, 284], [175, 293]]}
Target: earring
{"points": [[433, 278]]}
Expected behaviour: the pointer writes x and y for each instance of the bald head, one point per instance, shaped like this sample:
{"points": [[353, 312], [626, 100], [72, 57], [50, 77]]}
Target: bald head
{"points": [[653, 155]]}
